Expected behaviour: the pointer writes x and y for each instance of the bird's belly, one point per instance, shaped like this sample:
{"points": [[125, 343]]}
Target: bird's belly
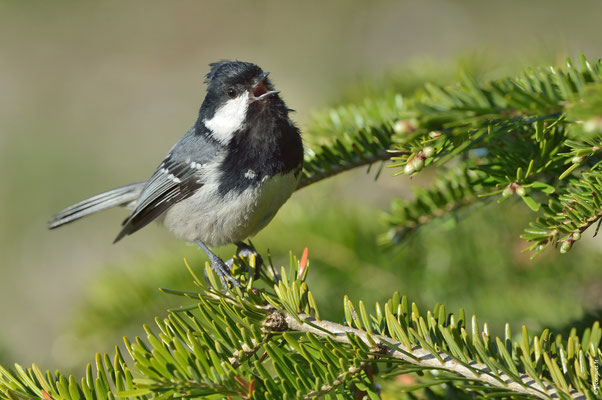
{"points": [[217, 219]]}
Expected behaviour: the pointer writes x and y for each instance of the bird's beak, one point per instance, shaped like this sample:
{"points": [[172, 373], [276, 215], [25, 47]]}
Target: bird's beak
{"points": [[260, 91]]}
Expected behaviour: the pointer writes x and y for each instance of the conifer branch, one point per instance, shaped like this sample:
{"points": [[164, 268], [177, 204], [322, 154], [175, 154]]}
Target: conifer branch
{"points": [[457, 189], [424, 358], [365, 148], [531, 135], [213, 349]]}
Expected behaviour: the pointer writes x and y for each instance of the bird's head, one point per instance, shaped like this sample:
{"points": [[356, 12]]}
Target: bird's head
{"points": [[230, 80], [235, 89]]}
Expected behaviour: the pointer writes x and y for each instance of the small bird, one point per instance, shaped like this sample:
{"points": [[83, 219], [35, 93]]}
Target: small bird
{"points": [[226, 178]]}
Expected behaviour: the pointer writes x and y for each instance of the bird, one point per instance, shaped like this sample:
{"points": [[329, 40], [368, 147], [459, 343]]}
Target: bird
{"points": [[226, 178]]}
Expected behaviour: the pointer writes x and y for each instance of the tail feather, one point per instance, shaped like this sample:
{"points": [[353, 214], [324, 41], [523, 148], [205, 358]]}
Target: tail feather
{"points": [[116, 197]]}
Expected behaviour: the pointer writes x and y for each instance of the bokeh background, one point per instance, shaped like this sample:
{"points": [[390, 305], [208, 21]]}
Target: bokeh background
{"points": [[93, 94]]}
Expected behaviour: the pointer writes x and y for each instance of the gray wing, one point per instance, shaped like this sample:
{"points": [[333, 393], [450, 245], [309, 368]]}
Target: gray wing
{"points": [[177, 178]]}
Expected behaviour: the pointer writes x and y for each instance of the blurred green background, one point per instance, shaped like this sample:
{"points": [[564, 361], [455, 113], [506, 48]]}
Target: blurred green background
{"points": [[92, 95]]}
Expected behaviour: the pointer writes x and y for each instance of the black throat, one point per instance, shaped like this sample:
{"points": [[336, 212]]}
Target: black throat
{"points": [[268, 145]]}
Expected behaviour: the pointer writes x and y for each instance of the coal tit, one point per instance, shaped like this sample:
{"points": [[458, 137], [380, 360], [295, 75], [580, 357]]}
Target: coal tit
{"points": [[226, 178]]}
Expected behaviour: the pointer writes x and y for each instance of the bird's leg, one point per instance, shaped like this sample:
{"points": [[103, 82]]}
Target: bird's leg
{"points": [[218, 266]]}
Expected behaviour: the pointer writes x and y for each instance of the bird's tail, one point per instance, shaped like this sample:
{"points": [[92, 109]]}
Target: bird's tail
{"points": [[116, 197]]}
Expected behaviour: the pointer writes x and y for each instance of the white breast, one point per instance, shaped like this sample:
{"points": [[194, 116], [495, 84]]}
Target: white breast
{"points": [[217, 220]]}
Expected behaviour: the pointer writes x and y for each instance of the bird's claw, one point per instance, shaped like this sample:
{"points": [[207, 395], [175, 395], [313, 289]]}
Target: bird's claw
{"points": [[219, 267], [245, 250], [222, 270]]}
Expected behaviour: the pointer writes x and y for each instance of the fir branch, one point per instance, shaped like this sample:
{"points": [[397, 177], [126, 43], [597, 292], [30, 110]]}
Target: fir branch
{"points": [[568, 215], [212, 350], [457, 189], [526, 135], [424, 358], [366, 147]]}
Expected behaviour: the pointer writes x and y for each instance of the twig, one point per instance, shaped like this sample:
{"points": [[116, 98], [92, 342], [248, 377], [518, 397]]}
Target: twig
{"points": [[248, 352], [357, 161]]}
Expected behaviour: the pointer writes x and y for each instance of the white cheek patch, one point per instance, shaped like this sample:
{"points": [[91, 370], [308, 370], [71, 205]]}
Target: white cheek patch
{"points": [[228, 118]]}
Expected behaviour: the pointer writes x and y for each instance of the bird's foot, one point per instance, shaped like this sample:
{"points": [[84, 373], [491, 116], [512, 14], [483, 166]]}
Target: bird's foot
{"points": [[247, 250], [222, 270]]}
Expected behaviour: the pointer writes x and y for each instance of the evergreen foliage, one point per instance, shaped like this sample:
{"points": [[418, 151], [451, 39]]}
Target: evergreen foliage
{"points": [[271, 343], [536, 138], [533, 136]]}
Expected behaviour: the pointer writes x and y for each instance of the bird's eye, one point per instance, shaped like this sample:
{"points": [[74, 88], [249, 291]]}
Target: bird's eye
{"points": [[231, 93]]}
